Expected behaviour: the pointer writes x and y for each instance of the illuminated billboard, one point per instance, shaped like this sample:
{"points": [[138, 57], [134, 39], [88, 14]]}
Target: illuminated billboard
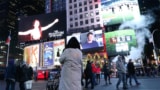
{"points": [[48, 59], [59, 46], [118, 11], [89, 41], [40, 27], [120, 41], [31, 55]]}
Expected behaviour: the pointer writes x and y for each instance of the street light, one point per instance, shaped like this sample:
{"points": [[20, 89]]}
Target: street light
{"points": [[154, 47]]}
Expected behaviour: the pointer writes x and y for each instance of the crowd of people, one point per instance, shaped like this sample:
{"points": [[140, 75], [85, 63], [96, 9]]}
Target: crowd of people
{"points": [[19, 72]]}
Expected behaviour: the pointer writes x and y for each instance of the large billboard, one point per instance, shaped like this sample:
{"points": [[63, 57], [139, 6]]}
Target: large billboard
{"points": [[120, 41], [118, 11], [90, 41], [40, 27], [59, 46], [31, 55]]}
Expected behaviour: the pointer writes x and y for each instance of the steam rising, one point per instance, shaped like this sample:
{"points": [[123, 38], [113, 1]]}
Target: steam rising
{"points": [[140, 25]]}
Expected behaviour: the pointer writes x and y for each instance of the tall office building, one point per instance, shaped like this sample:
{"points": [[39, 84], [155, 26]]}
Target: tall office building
{"points": [[55, 5], [83, 14]]}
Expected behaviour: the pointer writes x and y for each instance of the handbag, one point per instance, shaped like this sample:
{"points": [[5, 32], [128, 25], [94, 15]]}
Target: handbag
{"points": [[28, 84]]}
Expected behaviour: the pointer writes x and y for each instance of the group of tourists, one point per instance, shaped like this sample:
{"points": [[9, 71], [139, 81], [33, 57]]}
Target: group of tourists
{"points": [[19, 72]]}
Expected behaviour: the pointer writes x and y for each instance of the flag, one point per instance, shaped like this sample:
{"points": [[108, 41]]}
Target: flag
{"points": [[8, 40]]}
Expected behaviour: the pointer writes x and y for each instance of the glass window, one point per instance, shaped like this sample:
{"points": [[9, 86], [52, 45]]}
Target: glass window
{"points": [[76, 23], [75, 5], [85, 2], [97, 12], [81, 22], [91, 7], [86, 21], [96, 6], [75, 11], [80, 3], [70, 13], [97, 19], [81, 16], [92, 20], [86, 15], [92, 13], [71, 19], [80, 10], [85, 8], [70, 1]]}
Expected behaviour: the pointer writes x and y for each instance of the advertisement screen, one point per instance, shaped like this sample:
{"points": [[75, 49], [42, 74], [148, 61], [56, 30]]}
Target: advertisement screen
{"points": [[40, 27], [89, 41], [59, 46], [48, 54], [120, 41], [118, 11], [31, 55]]}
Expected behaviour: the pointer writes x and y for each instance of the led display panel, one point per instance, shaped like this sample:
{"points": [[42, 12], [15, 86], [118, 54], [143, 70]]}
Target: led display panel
{"points": [[118, 11], [43, 26], [120, 41]]}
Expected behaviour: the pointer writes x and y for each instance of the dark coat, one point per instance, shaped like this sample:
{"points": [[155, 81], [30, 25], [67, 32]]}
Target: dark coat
{"points": [[30, 73], [88, 71], [131, 68], [10, 72], [106, 69], [21, 75]]}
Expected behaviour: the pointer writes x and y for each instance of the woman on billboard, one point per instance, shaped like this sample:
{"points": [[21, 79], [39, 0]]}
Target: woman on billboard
{"points": [[36, 32]]}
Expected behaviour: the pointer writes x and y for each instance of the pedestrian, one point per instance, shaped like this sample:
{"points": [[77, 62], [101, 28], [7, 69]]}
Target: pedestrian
{"points": [[106, 71], [121, 71], [10, 76], [131, 72], [28, 83], [98, 72], [89, 75], [21, 75], [71, 61]]}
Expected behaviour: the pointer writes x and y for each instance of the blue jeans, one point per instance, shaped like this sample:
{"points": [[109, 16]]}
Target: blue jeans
{"points": [[122, 77], [134, 77], [10, 85]]}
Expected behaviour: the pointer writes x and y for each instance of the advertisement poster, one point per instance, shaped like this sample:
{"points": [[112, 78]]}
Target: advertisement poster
{"points": [[48, 54], [59, 46], [118, 11], [31, 55], [120, 41]]}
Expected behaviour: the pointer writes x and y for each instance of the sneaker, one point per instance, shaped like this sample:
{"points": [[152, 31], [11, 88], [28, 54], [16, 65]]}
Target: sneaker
{"points": [[138, 83], [125, 88]]}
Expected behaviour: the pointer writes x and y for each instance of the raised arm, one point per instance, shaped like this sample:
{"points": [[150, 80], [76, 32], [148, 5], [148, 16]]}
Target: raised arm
{"points": [[50, 25], [25, 32]]}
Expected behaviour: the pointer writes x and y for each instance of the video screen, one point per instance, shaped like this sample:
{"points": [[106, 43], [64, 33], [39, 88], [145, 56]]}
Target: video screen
{"points": [[31, 55], [59, 46], [120, 41], [40, 27], [89, 41], [48, 53], [118, 11]]}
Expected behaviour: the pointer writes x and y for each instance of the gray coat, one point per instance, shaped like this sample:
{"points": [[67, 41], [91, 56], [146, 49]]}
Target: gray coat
{"points": [[71, 60], [120, 65]]}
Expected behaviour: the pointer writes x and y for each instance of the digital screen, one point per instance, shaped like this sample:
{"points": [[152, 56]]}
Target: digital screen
{"points": [[118, 11], [59, 46], [89, 40], [120, 41], [31, 55], [40, 27], [48, 54]]}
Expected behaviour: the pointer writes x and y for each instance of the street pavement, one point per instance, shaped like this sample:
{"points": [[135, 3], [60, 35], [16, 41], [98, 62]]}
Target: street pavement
{"points": [[147, 83]]}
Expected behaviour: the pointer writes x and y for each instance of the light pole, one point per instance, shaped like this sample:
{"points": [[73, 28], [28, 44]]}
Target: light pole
{"points": [[154, 47]]}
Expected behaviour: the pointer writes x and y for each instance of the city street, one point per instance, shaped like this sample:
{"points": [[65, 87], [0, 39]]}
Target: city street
{"points": [[147, 83]]}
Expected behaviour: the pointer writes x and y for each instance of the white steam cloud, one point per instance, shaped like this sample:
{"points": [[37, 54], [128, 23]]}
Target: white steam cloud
{"points": [[140, 25]]}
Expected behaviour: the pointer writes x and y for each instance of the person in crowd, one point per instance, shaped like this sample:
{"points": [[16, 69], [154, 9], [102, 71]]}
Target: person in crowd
{"points": [[121, 71], [10, 76], [106, 71], [94, 72], [98, 73], [91, 43], [21, 75], [89, 75], [131, 72], [71, 61], [36, 31], [28, 83]]}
